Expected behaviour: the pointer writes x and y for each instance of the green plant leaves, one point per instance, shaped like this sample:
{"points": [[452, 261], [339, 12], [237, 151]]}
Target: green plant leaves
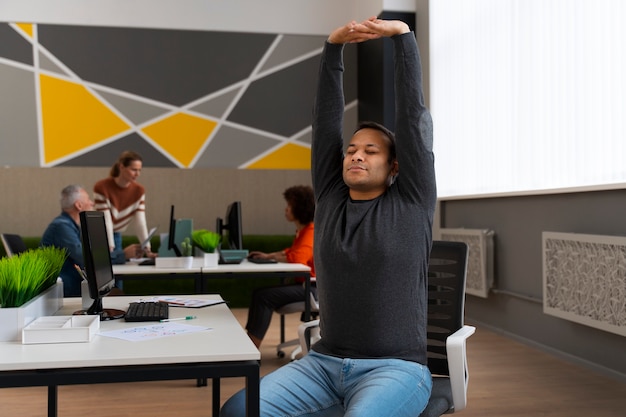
{"points": [[24, 276], [205, 240]]}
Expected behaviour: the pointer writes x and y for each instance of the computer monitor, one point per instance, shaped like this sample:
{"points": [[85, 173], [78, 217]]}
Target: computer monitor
{"points": [[98, 268], [171, 239], [232, 226]]}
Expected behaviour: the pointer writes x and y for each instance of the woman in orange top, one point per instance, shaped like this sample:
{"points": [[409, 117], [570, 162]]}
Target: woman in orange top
{"points": [[300, 210]]}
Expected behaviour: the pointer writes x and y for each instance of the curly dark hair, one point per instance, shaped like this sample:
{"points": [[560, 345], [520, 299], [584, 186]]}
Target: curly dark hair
{"points": [[302, 202]]}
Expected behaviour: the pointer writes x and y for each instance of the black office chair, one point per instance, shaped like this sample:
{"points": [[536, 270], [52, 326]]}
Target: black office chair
{"points": [[13, 244], [447, 334]]}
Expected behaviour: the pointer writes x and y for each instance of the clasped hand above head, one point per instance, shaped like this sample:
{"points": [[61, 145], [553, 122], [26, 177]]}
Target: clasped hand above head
{"points": [[372, 28]]}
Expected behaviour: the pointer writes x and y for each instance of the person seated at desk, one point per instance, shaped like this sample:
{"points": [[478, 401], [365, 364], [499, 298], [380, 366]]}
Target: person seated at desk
{"points": [[300, 210], [64, 233]]}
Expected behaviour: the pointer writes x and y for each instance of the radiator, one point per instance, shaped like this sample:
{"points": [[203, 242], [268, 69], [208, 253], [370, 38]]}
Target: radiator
{"points": [[480, 262], [584, 279]]}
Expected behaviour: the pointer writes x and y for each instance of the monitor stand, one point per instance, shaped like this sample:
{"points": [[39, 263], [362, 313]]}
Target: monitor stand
{"points": [[104, 313]]}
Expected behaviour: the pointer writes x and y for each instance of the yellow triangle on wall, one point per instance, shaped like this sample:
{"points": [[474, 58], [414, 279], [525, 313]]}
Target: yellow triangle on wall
{"points": [[290, 156], [26, 28], [181, 135], [73, 118]]}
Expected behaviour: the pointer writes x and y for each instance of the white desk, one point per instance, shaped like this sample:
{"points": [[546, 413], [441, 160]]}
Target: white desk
{"points": [[200, 274], [224, 351]]}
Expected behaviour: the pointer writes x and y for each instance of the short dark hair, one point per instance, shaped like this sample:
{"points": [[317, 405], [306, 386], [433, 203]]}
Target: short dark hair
{"points": [[388, 133], [302, 202]]}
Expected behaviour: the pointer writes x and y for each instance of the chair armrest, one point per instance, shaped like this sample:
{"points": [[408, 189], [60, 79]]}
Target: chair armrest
{"points": [[457, 364], [312, 327]]}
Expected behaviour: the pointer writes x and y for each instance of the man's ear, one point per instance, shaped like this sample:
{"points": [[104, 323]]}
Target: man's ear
{"points": [[393, 173], [395, 168]]}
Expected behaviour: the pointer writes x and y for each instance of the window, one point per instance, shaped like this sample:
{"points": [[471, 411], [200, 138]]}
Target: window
{"points": [[528, 94]]}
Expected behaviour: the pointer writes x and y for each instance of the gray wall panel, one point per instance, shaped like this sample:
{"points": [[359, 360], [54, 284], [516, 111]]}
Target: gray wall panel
{"points": [[106, 155], [270, 104], [518, 222], [19, 143], [175, 67], [13, 46]]}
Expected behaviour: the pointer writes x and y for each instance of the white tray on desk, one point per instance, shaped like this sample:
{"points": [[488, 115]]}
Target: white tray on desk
{"points": [[61, 329]]}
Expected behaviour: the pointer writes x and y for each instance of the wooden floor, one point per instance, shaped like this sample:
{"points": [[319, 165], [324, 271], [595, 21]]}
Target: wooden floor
{"points": [[506, 379]]}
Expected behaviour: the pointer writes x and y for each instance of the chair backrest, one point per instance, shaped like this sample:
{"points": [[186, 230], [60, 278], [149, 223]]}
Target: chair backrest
{"points": [[446, 299], [13, 244]]}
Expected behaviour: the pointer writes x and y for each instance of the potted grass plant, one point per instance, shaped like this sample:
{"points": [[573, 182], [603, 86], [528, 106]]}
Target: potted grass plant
{"points": [[24, 276], [29, 288], [205, 242]]}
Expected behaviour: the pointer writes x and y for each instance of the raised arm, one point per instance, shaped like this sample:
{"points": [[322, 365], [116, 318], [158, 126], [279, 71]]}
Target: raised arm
{"points": [[327, 149]]}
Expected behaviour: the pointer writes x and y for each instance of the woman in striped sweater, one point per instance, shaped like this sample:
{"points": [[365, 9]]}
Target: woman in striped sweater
{"points": [[122, 199]]}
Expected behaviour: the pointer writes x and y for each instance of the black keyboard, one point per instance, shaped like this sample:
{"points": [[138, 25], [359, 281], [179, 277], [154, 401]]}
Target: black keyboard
{"points": [[147, 311], [262, 261]]}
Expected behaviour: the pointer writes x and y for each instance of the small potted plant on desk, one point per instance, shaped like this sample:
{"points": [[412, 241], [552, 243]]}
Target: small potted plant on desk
{"points": [[186, 252], [205, 242], [29, 288]]}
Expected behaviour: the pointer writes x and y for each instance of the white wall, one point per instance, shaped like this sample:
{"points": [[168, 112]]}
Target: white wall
{"points": [[310, 17]]}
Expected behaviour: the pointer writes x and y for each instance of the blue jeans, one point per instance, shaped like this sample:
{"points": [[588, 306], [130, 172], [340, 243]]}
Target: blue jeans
{"points": [[321, 385]]}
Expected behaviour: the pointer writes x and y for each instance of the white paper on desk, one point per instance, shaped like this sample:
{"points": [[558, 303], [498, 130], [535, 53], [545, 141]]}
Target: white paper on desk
{"points": [[189, 302], [153, 331]]}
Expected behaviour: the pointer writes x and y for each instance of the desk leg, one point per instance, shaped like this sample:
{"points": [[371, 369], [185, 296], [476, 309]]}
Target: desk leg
{"points": [[282, 328], [52, 400], [215, 382], [253, 401], [199, 285]]}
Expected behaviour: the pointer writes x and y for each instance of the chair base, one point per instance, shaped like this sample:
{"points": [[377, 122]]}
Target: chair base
{"points": [[294, 353]]}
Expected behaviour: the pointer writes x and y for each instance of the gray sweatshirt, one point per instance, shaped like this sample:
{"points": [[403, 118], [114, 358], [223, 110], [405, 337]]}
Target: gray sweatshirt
{"points": [[371, 257]]}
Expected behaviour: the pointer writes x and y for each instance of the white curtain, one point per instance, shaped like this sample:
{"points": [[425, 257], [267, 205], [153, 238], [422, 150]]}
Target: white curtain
{"points": [[528, 94]]}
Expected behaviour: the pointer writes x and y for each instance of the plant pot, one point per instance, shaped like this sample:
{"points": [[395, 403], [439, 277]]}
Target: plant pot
{"points": [[211, 260], [14, 319]]}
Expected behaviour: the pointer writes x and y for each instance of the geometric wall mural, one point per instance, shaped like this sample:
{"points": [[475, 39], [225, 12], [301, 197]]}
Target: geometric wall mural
{"points": [[78, 96], [584, 279]]}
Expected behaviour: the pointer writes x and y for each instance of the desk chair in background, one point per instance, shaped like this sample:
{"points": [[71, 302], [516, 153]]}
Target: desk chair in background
{"points": [[447, 333], [13, 244], [296, 307]]}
